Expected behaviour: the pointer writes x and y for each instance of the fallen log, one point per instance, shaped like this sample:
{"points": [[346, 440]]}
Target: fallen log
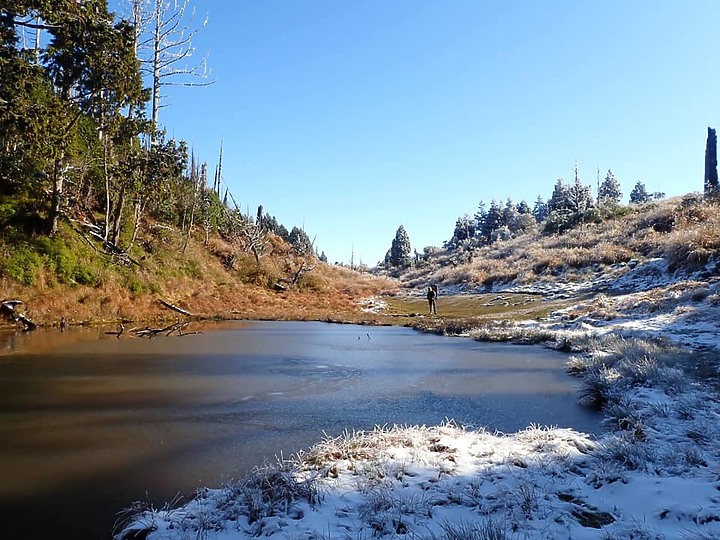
{"points": [[119, 332], [175, 308], [9, 310], [167, 330]]}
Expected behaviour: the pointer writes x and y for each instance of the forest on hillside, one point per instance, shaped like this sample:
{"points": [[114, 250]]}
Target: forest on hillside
{"points": [[80, 138], [81, 143]]}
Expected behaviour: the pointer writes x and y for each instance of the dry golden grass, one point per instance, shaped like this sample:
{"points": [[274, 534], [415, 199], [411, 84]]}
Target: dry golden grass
{"points": [[683, 230], [204, 298], [198, 280]]}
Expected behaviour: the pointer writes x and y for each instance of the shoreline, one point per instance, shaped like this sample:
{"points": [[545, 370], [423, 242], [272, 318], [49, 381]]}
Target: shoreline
{"points": [[632, 379]]}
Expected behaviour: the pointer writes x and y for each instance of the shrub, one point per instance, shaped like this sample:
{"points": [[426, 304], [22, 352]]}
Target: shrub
{"points": [[312, 282], [22, 264], [251, 272], [191, 268]]}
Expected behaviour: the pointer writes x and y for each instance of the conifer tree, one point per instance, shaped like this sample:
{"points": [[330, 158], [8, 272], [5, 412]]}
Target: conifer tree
{"points": [[568, 205], [558, 199], [86, 78], [399, 254], [480, 216], [493, 220], [639, 194], [711, 173], [540, 209], [609, 191], [464, 230], [300, 241], [579, 198], [523, 207]]}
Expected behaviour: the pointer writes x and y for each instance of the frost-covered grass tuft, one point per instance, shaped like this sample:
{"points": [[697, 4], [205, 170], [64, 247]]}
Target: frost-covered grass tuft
{"points": [[271, 490], [488, 529], [616, 363]]}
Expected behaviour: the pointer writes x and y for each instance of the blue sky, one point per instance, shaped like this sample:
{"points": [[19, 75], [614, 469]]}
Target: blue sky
{"points": [[350, 118]]}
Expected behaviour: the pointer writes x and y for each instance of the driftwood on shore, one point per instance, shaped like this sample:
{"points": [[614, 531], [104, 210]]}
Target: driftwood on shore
{"points": [[148, 332], [175, 308], [176, 327], [9, 311]]}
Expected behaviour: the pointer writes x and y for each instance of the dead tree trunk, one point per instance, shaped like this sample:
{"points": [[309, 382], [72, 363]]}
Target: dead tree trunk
{"points": [[57, 192]]}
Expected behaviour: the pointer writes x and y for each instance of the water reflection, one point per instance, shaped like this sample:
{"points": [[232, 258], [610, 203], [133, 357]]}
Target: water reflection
{"points": [[101, 421]]}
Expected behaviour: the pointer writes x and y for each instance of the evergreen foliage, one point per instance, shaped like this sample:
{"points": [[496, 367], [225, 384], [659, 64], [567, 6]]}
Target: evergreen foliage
{"points": [[578, 198], [523, 207], [464, 230], [558, 199], [480, 216], [609, 191], [493, 221], [299, 239], [76, 145], [712, 188], [540, 210], [400, 249], [568, 206], [639, 194]]}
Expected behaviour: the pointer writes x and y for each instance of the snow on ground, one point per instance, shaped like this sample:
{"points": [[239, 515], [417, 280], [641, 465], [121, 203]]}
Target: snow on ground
{"points": [[655, 473]]}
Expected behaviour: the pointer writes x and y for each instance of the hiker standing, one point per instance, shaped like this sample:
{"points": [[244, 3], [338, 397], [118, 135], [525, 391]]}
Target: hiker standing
{"points": [[431, 295]]}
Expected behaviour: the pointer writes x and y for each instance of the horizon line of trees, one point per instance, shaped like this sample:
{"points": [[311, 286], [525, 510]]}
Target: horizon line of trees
{"points": [[570, 205]]}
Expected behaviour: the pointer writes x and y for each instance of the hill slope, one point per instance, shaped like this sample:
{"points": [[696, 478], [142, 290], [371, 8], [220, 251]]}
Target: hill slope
{"points": [[654, 271], [72, 278]]}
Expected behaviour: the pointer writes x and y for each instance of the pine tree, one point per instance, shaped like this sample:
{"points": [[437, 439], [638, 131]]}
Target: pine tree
{"points": [[510, 215], [523, 220], [85, 81], [493, 221], [464, 230], [523, 207], [609, 191], [711, 174], [540, 210], [558, 199], [300, 241], [639, 194], [579, 198], [399, 254], [480, 216]]}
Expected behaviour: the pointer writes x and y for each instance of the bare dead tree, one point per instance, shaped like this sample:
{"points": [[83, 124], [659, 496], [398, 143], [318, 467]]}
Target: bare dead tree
{"points": [[165, 30], [255, 240], [218, 172], [199, 180]]}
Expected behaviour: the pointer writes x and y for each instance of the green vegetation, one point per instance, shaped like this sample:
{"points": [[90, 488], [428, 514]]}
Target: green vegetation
{"points": [[27, 261]]}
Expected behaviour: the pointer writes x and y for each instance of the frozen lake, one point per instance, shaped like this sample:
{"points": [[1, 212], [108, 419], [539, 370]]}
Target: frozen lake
{"points": [[90, 423]]}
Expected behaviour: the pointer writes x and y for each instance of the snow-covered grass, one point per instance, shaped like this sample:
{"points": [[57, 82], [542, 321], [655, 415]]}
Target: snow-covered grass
{"points": [[647, 355], [446, 482], [653, 474]]}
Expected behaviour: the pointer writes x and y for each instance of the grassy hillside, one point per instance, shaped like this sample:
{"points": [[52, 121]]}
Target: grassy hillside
{"points": [[685, 231], [71, 276]]}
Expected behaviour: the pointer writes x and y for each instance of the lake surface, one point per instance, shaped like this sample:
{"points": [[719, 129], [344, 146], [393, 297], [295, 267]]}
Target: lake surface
{"points": [[90, 423]]}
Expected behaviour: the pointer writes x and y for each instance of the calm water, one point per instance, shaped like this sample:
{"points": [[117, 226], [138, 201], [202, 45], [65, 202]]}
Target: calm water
{"points": [[90, 423]]}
